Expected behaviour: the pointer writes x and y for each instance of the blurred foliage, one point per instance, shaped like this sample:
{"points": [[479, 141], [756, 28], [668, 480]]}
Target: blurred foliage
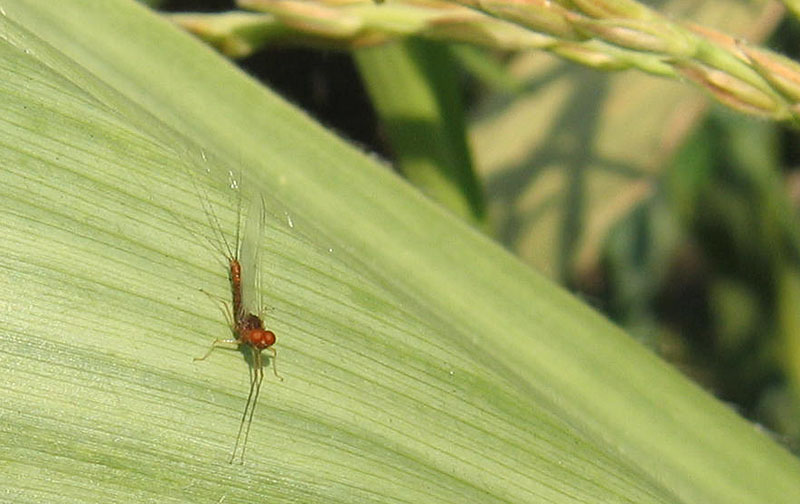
{"points": [[680, 223], [704, 271], [412, 89]]}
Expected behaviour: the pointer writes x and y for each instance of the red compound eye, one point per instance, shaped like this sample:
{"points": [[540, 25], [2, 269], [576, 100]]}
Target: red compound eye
{"points": [[261, 338]]}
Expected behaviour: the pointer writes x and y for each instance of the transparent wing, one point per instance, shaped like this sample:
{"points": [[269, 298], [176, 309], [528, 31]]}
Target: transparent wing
{"points": [[250, 258]]}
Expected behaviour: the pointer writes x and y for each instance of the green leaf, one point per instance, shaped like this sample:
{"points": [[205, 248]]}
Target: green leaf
{"points": [[422, 362], [415, 90]]}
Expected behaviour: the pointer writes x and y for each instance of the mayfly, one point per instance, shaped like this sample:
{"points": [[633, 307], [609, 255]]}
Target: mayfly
{"points": [[245, 313]]}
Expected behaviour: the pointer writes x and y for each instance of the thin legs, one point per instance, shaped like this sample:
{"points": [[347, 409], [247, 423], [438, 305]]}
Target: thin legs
{"points": [[252, 399], [215, 344]]}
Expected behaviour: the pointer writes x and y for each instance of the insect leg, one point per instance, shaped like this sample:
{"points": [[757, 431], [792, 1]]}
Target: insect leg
{"points": [[223, 305], [274, 369], [258, 377], [214, 345], [253, 382]]}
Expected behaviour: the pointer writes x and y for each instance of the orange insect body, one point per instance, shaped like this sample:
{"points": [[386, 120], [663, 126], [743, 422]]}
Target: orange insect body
{"points": [[235, 275], [251, 331], [247, 327]]}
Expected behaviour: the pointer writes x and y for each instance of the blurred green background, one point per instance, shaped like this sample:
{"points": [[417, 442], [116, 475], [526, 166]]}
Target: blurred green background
{"points": [[671, 214]]}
